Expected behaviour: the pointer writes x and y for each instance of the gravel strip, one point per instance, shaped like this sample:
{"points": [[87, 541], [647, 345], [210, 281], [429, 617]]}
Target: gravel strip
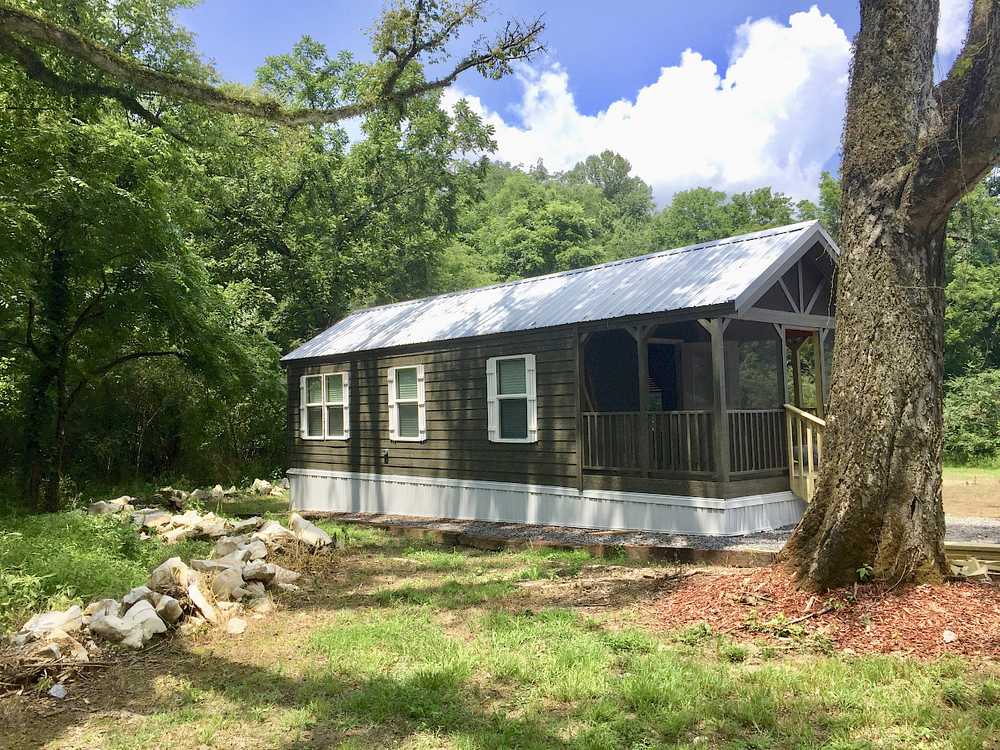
{"points": [[971, 529], [958, 529]]}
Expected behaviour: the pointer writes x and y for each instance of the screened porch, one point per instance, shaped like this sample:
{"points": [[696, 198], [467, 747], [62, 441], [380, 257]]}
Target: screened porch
{"points": [[696, 399]]}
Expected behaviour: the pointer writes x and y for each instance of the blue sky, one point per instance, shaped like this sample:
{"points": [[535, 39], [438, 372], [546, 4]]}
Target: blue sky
{"points": [[727, 93]]}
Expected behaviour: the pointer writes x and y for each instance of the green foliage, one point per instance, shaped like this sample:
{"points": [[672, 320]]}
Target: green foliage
{"points": [[972, 417], [54, 560]]}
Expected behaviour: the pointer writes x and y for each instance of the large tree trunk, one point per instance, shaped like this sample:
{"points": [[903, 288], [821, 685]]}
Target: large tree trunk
{"points": [[878, 500], [910, 151]]}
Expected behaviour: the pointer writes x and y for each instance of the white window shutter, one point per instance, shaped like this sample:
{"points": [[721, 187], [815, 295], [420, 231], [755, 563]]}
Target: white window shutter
{"points": [[492, 412], [393, 414], [347, 403], [302, 407], [421, 406], [529, 367]]}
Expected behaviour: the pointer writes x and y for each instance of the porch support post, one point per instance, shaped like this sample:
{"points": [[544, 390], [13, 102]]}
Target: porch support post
{"points": [[579, 409], [797, 373], [720, 413], [641, 334], [820, 375]]}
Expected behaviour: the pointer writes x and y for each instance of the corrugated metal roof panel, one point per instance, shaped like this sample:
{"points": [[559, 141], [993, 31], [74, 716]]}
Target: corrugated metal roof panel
{"points": [[711, 273]]}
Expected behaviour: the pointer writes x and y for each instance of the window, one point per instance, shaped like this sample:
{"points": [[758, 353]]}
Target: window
{"points": [[407, 411], [511, 402], [326, 406]]}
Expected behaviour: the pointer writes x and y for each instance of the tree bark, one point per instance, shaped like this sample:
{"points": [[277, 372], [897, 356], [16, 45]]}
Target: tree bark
{"points": [[878, 499]]}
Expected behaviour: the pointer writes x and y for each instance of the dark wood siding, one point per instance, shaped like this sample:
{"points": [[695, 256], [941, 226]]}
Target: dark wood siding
{"points": [[457, 445]]}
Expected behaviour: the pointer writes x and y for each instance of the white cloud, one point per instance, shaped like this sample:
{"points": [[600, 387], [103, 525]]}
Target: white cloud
{"points": [[772, 118], [952, 24]]}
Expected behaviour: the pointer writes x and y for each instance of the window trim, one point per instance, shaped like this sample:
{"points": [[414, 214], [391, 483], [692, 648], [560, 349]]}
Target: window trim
{"points": [[494, 397], [324, 403], [394, 402]]}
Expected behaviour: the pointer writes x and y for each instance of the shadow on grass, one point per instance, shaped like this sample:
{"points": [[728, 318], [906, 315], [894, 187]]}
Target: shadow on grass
{"points": [[378, 678]]}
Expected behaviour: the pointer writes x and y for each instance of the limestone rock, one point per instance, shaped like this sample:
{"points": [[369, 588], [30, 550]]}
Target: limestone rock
{"points": [[287, 588], [169, 609], [247, 524], [110, 628], [218, 492], [144, 623], [236, 626], [259, 571], [273, 534], [254, 589], [261, 487], [228, 584], [256, 550], [151, 518], [216, 566], [199, 494], [101, 608], [189, 518], [284, 575], [138, 594], [171, 575], [68, 621], [949, 636], [202, 603], [308, 533], [285, 484], [228, 544], [179, 534], [211, 525]]}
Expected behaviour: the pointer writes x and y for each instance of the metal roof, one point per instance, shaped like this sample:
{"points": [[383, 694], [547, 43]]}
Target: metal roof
{"points": [[711, 273]]}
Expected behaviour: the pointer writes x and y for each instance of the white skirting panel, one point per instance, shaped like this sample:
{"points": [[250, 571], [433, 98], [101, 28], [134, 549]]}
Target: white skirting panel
{"points": [[339, 491]]}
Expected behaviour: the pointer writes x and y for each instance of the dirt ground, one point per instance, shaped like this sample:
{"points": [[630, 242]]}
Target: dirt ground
{"points": [[275, 686], [972, 492]]}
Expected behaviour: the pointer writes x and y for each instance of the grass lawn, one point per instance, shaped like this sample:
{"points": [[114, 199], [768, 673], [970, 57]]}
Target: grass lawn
{"points": [[395, 644], [972, 491]]}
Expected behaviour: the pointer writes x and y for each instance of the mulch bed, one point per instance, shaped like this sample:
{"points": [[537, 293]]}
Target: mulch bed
{"points": [[874, 618]]}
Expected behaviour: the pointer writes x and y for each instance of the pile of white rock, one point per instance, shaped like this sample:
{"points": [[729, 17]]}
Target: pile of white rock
{"points": [[235, 582]]}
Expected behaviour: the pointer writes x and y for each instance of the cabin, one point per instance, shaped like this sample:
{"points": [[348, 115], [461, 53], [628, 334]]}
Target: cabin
{"points": [[646, 393]]}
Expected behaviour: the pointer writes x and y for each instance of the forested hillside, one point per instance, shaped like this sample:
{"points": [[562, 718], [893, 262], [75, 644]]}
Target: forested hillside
{"points": [[153, 270]]}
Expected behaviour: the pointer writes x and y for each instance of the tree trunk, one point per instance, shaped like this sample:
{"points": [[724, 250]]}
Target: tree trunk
{"points": [[37, 419], [910, 151], [54, 483], [878, 501]]}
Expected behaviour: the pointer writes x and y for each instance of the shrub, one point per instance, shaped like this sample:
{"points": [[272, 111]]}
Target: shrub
{"points": [[972, 417]]}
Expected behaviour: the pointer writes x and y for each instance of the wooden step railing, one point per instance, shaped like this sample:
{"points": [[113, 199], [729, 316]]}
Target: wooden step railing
{"points": [[804, 435]]}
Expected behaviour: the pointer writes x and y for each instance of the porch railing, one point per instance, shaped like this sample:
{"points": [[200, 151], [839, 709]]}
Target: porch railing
{"points": [[680, 442], [611, 441], [757, 440], [805, 450]]}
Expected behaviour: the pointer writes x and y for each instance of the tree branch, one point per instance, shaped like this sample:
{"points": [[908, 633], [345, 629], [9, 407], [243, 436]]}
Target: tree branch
{"points": [[36, 69], [516, 42], [965, 144], [104, 369]]}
